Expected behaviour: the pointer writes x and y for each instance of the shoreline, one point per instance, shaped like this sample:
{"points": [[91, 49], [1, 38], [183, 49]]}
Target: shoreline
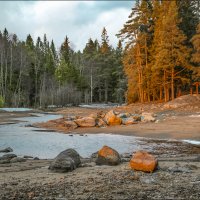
{"points": [[178, 174]]}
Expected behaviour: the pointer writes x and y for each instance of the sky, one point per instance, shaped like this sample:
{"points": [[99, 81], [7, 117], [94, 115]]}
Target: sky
{"points": [[79, 20]]}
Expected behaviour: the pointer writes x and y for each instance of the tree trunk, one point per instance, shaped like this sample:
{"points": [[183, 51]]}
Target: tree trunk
{"points": [[165, 86], [106, 91], [91, 86], [172, 84], [197, 88], [160, 93]]}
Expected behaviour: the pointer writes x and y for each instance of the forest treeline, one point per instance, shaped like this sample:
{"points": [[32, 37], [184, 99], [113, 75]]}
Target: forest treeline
{"points": [[159, 61], [162, 55], [38, 75]]}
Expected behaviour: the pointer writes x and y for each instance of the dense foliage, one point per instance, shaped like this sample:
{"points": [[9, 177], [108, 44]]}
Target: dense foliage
{"points": [[38, 75], [161, 58]]}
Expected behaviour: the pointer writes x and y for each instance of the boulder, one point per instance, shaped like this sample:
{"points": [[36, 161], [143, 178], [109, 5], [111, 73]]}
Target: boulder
{"points": [[143, 161], [101, 123], [101, 114], [6, 150], [70, 124], [67, 160], [108, 156], [85, 122], [148, 117], [8, 156], [112, 119], [124, 115], [136, 118], [128, 121], [93, 116]]}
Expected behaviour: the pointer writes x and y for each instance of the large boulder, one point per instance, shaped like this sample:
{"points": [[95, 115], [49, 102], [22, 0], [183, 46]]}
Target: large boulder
{"points": [[112, 119], [67, 160], [8, 156], [108, 156], [101, 123], [143, 161], [86, 122], [148, 117], [70, 124], [128, 121], [6, 150]]}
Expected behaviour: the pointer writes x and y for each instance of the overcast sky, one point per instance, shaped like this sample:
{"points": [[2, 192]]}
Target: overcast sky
{"points": [[79, 20]]}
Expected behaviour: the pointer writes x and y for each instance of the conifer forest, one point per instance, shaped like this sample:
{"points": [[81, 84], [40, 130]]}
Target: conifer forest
{"points": [[157, 59]]}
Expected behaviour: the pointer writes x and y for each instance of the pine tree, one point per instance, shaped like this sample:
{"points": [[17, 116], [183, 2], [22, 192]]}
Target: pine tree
{"points": [[65, 50], [172, 54], [196, 54], [196, 44], [137, 33], [29, 42], [104, 42]]}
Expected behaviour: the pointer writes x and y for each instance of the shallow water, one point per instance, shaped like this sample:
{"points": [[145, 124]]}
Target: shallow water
{"points": [[46, 144], [32, 141], [16, 109]]}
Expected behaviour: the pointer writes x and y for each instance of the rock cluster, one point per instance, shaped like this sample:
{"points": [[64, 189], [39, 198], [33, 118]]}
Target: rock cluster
{"points": [[11, 158], [69, 160], [101, 119]]}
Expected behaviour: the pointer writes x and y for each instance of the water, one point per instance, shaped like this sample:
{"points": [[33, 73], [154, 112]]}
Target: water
{"points": [[192, 142], [16, 109], [27, 141]]}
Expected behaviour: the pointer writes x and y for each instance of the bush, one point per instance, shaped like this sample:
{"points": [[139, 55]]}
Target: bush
{"points": [[1, 101]]}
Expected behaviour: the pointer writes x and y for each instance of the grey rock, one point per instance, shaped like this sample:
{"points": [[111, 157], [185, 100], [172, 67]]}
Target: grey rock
{"points": [[6, 150], [8, 156], [28, 157], [67, 160]]}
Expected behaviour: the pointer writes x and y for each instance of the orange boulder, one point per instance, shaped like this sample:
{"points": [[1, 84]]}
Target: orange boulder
{"points": [[108, 156], [143, 161], [112, 119]]}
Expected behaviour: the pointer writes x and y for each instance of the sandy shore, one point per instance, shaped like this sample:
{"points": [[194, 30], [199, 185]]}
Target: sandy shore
{"points": [[181, 123]]}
